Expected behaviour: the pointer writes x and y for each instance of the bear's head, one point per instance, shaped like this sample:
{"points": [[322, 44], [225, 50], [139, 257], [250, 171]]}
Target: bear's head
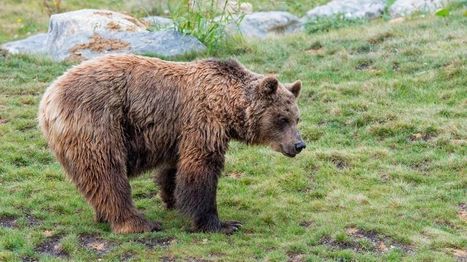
{"points": [[278, 116]]}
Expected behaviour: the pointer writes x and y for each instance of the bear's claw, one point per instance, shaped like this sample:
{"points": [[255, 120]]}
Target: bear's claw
{"points": [[229, 227]]}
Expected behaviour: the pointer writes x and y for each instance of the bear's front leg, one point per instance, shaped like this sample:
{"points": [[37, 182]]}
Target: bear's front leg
{"points": [[195, 193]]}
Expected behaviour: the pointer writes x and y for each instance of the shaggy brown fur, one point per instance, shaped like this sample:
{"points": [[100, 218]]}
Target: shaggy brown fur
{"points": [[115, 117]]}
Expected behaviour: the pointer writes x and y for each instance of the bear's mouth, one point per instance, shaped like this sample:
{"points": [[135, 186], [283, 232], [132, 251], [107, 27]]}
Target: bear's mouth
{"points": [[289, 154], [285, 152]]}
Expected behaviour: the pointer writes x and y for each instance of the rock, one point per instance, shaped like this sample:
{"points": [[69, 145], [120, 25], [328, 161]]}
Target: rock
{"points": [[86, 34], [407, 7], [163, 43], [349, 9], [35, 44], [67, 30], [263, 24], [159, 22]]}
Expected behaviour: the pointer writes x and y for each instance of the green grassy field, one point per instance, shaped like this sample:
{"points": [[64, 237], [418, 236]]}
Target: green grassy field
{"points": [[383, 177]]}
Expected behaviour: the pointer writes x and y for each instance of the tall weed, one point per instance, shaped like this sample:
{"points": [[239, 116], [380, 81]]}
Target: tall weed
{"points": [[207, 23]]}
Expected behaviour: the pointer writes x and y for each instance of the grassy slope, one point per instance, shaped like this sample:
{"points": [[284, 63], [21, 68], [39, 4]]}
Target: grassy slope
{"points": [[384, 115]]}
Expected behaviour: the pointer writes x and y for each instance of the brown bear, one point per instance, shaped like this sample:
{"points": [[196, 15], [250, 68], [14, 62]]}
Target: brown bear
{"points": [[114, 117]]}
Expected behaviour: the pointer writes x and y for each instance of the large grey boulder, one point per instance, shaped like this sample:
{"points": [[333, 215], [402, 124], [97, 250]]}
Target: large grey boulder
{"points": [[35, 44], [69, 30], [164, 43], [349, 9], [85, 34], [407, 7], [264, 24]]}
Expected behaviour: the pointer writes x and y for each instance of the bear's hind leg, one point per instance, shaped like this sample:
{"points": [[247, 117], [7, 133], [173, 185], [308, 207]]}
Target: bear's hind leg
{"points": [[165, 178], [100, 175], [110, 196]]}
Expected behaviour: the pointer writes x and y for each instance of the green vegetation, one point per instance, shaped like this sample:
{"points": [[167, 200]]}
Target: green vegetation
{"points": [[208, 26], [383, 177]]}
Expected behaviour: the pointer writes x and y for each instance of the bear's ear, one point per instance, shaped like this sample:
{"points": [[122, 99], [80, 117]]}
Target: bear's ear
{"points": [[268, 85], [295, 87]]}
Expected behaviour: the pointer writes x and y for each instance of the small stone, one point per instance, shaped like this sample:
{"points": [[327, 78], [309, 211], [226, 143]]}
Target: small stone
{"points": [[351, 231], [408, 7], [98, 246], [264, 24], [382, 247], [48, 233], [349, 9]]}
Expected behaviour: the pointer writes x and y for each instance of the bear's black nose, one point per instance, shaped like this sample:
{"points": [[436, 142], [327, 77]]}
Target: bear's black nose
{"points": [[300, 146]]}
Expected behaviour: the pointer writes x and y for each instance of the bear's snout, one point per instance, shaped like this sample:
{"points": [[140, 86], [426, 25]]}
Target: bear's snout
{"points": [[300, 146]]}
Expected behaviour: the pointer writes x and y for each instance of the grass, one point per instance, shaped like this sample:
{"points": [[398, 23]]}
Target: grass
{"points": [[383, 177]]}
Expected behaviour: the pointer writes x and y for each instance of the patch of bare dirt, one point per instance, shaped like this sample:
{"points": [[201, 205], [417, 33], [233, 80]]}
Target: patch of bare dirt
{"points": [[236, 175], [318, 52], [152, 243], [422, 166], [316, 48], [380, 243], [97, 43], [32, 221], [377, 243], [10, 222], [421, 137], [194, 259], [459, 254], [7, 221], [339, 163], [168, 259], [29, 259], [295, 257], [306, 223], [385, 177], [334, 244], [52, 246], [364, 65], [127, 256], [462, 211], [95, 244], [379, 38]]}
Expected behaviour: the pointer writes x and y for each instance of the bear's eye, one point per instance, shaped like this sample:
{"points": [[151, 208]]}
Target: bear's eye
{"points": [[283, 120]]}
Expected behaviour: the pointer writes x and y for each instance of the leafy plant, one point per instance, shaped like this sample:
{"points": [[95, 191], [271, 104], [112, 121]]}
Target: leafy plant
{"points": [[206, 22], [386, 15], [443, 12]]}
